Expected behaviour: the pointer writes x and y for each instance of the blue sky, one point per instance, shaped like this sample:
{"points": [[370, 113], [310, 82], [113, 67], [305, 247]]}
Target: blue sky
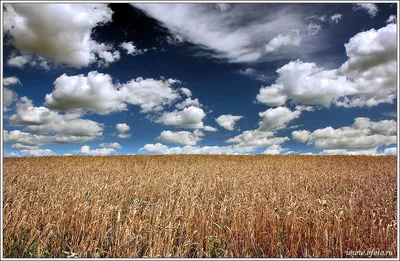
{"points": [[284, 78]]}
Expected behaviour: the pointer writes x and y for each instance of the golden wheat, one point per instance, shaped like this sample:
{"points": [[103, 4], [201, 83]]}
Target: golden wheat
{"points": [[199, 206]]}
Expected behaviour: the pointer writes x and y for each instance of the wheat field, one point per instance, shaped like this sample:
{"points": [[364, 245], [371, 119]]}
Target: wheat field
{"points": [[199, 206]]}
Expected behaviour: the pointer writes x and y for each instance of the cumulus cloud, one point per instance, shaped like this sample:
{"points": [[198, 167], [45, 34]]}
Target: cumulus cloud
{"points": [[256, 139], [186, 91], [367, 78], [44, 121], [131, 49], [96, 152], [188, 102], [122, 128], [11, 81], [37, 152], [209, 128], [114, 145], [18, 61], [29, 139], [237, 35], [228, 121], [391, 19], [363, 137], [191, 118], [390, 151], [370, 8], [180, 137], [68, 41], [283, 40], [159, 148], [274, 150], [9, 98], [277, 118], [96, 92]]}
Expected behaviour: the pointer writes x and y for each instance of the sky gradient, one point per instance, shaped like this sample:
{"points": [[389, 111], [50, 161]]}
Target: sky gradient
{"points": [[106, 79]]}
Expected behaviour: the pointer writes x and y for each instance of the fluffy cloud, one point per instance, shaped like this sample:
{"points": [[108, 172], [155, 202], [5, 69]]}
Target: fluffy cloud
{"points": [[277, 118], [131, 49], [28, 139], [43, 121], [68, 41], [191, 118], [11, 81], [122, 128], [370, 8], [391, 19], [363, 137], [283, 40], [256, 139], [228, 121], [9, 98], [37, 152], [188, 102], [187, 92], [209, 128], [96, 152], [180, 137], [98, 94], [237, 35], [158, 148], [114, 145], [274, 150], [390, 151], [367, 78]]}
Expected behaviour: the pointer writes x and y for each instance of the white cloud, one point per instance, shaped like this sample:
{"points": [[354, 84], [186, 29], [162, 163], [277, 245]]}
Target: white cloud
{"points": [[98, 94], [277, 118], [11, 81], [18, 61], [363, 137], [9, 98], [274, 150], [37, 152], [313, 29], [237, 35], [131, 49], [209, 128], [186, 91], [367, 78], [256, 139], [370, 8], [187, 103], [24, 138], [335, 18], [228, 121], [390, 151], [283, 40], [158, 148], [114, 145], [43, 121], [96, 152], [68, 41], [122, 128], [190, 118], [391, 19], [180, 137], [24, 146]]}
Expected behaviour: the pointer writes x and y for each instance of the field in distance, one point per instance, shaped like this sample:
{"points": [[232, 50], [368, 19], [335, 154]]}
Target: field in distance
{"points": [[200, 206]]}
